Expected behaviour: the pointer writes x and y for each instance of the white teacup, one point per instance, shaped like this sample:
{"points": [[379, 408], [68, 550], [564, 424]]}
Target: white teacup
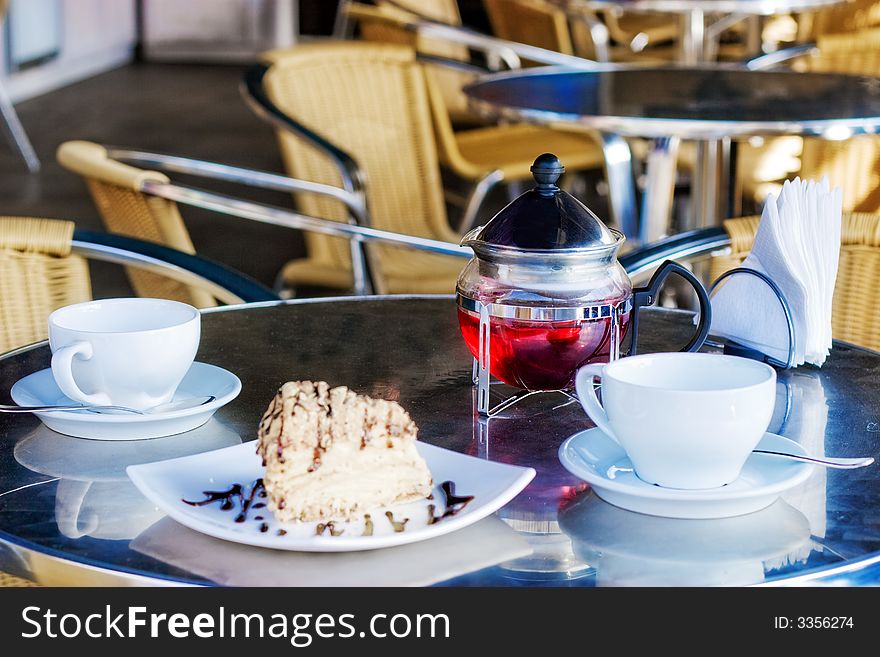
{"points": [[686, 420], [123, 352]]}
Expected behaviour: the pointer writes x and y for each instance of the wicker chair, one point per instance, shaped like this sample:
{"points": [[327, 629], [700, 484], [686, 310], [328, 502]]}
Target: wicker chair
{"points": [[571, 28], [854, 164], [126, 210], [39, 274], [43, 267], [855, 318], [450, 80], [530, 21], [841, 18], [851, 164], [373, 100], [489, 154]]}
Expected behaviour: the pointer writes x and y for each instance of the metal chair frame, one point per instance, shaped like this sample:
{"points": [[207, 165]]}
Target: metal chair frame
{"points": [[358, 231], [227, 285]]}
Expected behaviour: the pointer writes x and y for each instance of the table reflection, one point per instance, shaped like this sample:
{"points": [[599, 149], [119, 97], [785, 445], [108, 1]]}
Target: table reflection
{"points": [[632, 549], [94, 496]]}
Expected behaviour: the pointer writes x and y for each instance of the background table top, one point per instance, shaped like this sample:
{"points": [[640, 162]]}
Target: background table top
{"points": [[759, 7], [691, 103], [68, 514]]}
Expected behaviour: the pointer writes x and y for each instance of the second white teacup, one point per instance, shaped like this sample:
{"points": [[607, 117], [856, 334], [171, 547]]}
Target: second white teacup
{"points": [[686, 420], [123, 352]]}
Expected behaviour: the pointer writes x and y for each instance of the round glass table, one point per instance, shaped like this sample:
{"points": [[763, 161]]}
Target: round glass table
{"points": [[707, 104], [69, 515]]}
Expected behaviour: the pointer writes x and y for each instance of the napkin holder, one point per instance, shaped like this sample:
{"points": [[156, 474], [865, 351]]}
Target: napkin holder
{"points": [[734, 348]]}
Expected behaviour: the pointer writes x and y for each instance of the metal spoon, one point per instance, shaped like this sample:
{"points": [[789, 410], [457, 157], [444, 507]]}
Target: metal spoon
{"points": [[827, 461], [168, 407]]}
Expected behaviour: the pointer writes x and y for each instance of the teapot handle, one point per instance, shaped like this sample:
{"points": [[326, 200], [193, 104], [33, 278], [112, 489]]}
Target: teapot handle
{"points": [[645, 296]]}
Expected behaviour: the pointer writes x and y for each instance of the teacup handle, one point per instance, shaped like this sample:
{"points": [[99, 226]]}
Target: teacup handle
{"points": [[586, 393], [645, 296], [62, 370]]}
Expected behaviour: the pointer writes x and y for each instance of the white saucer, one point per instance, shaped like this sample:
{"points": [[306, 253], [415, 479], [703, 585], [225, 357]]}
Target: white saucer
{"points": [[168, 483], [40, 389], [598, 460]]}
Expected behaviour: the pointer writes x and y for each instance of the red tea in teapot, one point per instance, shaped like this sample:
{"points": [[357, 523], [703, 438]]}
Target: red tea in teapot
{"points": [[545, 270], [541, 355]]}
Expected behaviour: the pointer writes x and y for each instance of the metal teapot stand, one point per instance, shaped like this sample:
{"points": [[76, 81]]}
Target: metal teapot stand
{"points": [[481, 375]]}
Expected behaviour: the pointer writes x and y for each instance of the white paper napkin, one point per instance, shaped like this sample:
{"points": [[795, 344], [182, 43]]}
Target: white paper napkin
{"points": [[485, 543], [797, 246]]}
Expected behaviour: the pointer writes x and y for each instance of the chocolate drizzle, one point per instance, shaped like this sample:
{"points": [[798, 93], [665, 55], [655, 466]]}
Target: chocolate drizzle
{"points": [[368, 525], [331, 526], [227, 499], [398, 526], [256, 487], [454, 503], [264, 528]]}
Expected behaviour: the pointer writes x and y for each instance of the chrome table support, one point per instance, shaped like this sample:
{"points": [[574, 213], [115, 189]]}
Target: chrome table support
{"points": [[660, 170], [621, 185]]}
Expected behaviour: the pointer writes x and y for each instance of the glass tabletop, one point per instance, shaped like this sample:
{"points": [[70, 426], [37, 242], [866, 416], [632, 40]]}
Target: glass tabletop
{"points": [[691, 103], [69, 515]]}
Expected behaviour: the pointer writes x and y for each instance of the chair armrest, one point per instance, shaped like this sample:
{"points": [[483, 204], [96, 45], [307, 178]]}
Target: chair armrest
{"points": [[685, 245], [261, 212], [353, 179], [445, 62], [510, 52], [772, 59], [224, 283], [240, 175]]}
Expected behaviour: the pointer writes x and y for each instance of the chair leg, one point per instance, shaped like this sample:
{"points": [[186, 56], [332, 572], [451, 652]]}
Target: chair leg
{"points": [[475, 200], [16, 134], [621, 185], [364, 283]]}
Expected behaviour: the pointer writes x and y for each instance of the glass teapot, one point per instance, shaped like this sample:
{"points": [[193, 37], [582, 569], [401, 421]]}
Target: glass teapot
{"points": [[545, 294]]}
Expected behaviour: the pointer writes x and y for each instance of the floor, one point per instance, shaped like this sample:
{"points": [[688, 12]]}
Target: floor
{"points": [[152, 107]]}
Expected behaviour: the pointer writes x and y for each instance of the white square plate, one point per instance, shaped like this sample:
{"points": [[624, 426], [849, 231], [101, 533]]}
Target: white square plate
{"points": [[169, 483]]}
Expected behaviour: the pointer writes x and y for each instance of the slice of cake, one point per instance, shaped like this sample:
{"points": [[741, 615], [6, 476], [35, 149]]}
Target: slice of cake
{"points": [[331, 453]]}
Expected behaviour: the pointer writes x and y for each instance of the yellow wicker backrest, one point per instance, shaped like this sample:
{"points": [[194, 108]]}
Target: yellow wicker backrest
{"points": [[857, 292], [533, 22], [442, 11], [115, 189], [852, 164], [379, 24], [37, 275], [837, 19], [371, 100]]}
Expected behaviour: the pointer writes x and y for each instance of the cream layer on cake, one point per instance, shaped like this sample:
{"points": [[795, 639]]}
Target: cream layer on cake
{"points": [[331, 453]]}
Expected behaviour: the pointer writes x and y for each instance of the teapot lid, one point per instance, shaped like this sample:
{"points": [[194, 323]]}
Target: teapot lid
{"points": [[544, 219]]}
